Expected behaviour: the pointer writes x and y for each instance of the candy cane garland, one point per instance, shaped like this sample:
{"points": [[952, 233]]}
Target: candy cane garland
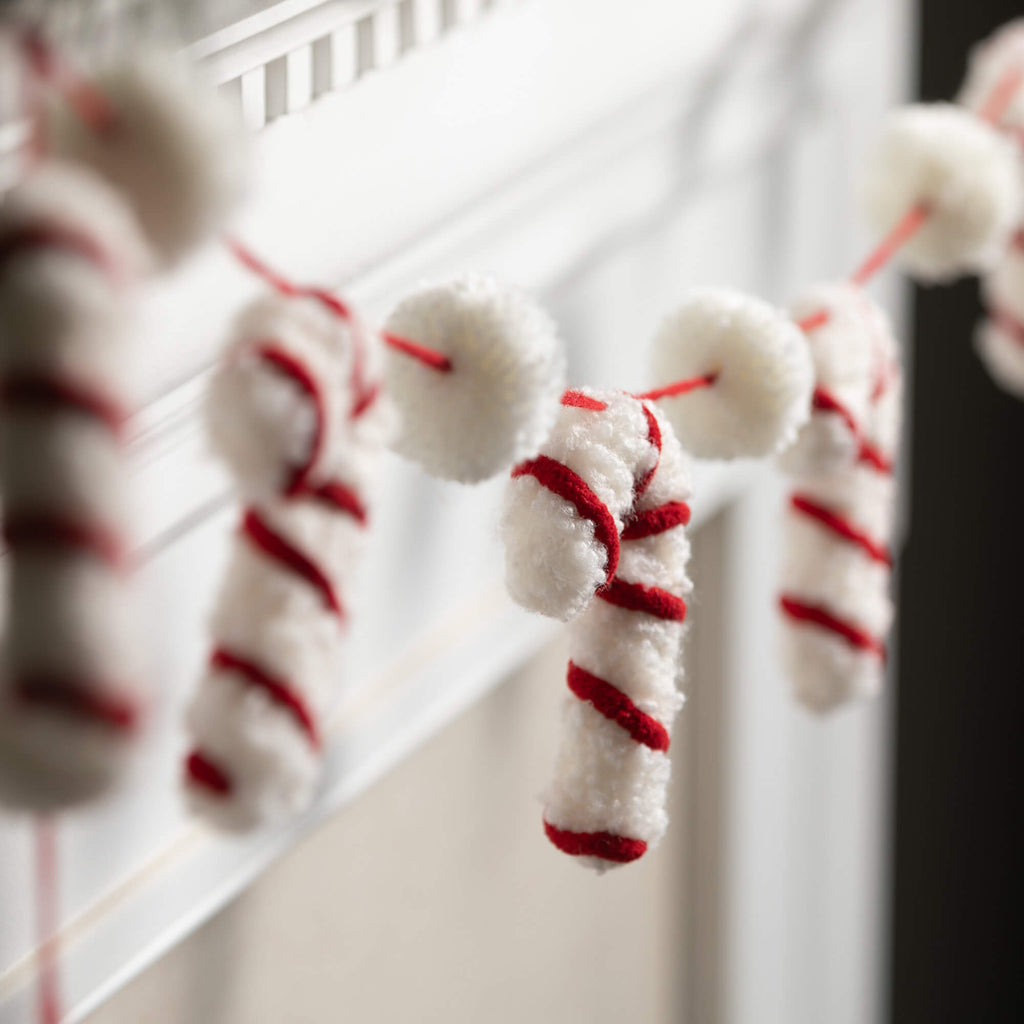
{"points": [[834, 598], [70, 253], [296, 412], [594, 532]]}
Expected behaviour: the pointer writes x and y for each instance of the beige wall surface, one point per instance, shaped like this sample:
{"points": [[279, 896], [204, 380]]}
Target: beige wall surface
{"points": [[435, 897]]}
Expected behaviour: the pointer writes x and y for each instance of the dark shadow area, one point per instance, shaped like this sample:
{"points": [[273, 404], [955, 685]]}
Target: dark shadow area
{"points": [[958, 902]]}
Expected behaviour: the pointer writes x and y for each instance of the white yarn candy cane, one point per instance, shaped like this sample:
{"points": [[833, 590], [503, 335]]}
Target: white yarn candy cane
{"points": [[997, 65], [69, 257], [296, 412], [593, 529], [834, 596], [594, 532]]}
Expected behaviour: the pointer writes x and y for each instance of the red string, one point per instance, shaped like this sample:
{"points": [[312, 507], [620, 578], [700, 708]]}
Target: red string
{"points": [[605, 845], [611, 702], [901, 232], [48, 981], [85, 99], [1002, 95], [679, 387]]}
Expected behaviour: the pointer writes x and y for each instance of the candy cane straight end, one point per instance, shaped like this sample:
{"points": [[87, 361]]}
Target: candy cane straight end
{"points": [[476, 371], [744, 375]]}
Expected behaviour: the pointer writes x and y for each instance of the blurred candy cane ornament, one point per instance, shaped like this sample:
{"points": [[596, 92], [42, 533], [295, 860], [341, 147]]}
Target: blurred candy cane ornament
{"points": [[295, 412], [300, 410], [594, 535], [70, 257], [997, 65], [837, 560]]}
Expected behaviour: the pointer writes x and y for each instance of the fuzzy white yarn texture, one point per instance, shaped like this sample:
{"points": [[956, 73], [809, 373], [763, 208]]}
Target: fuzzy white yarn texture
{"points": [[834, 592], [962, 170], [175, 148], [70, 673], [256, 721], [763, 376], [1000, 337], [500, 398], [622, 475]]}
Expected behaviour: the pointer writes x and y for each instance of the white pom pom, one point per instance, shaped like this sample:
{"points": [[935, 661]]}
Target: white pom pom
{"points": [[1000, 338], [849, 345], [963, 171], [991, 62], [499, 400], [175, 148], [762, 367]]}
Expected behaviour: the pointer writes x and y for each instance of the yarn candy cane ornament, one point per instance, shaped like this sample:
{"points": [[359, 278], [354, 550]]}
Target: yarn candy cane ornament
{"points": [[1000, 336], [594, 532], [834, 600], [70, 254], [300, 410], [75, 237], [295, 412]]}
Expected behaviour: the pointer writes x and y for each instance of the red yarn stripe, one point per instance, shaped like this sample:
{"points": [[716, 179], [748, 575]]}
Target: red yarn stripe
{"points": [[281, 693], [820, 616], [340, 497], [296, 371], [204, 772], [562, 481], [635, 597], [825, 401], [581, 401], [606, 845], [617, 707], [73, 697], [842, 527], [274, 546], [656, 520], [1009, 324], [654, 436], [50, 394], [32, 237], [52, 531]]}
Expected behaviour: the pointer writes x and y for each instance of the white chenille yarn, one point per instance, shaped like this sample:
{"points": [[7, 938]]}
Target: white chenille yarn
{"points": [[613, 460], [763, 376], [302, 436], [70, 253], [174, 147], [835, 603], [500, 398], [846, 349], [964, 173], [1000, 337]]}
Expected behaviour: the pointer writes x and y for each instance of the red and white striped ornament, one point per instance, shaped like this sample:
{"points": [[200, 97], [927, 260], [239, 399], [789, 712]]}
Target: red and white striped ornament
{"points": [[837, 561], [295, 410], [70, 256], [996, 66], [594, 532]]}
